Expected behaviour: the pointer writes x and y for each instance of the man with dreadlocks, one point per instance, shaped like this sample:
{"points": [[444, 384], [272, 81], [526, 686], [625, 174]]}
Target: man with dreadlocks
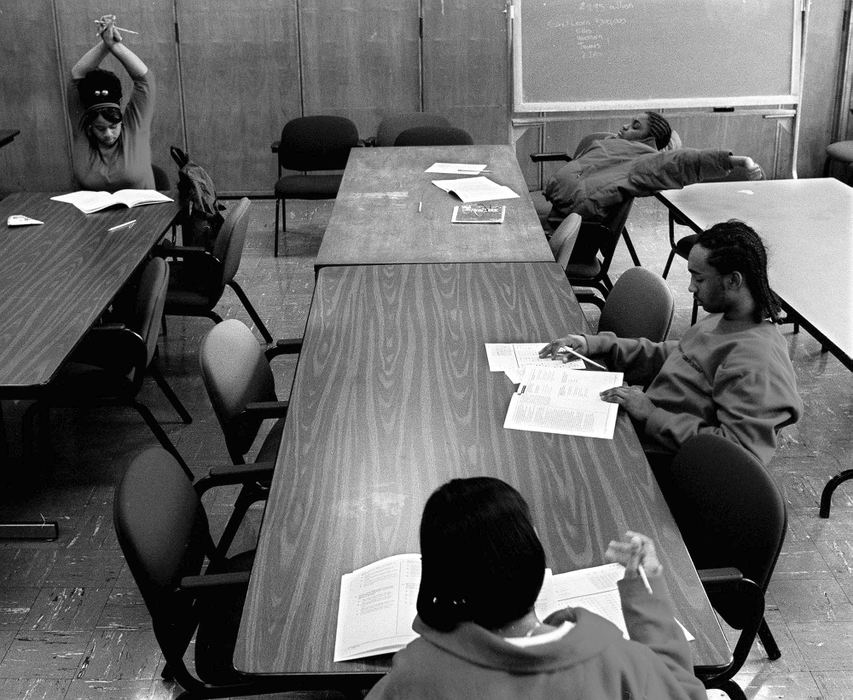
{"points": [[633, 163], [730, 373]]}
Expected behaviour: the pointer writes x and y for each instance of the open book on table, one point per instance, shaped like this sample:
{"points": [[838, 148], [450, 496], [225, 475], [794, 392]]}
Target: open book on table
{"points": [[378, 602], [567, 402], [88, 201]]}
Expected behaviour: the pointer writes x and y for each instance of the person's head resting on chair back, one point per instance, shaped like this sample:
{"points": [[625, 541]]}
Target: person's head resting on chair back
{"points": [[647, 125], [482, 560], [728, 273]]}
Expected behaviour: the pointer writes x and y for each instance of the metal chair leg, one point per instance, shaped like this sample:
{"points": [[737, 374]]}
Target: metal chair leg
{"points": [[161, 436], [259, 324], [630, 245], [829, 489], [154, 370], [275, 229], [770, 646], [668, 263]]}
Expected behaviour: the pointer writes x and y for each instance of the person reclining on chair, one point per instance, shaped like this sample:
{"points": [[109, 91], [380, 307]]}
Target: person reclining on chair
{"points": [[730, 374], [631, 164]]}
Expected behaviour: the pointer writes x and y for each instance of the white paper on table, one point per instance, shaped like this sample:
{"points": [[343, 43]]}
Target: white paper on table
{"points": [[594, 589], [377, 607], [512, 358], [475, 189], [566, 402], [456, 168]]}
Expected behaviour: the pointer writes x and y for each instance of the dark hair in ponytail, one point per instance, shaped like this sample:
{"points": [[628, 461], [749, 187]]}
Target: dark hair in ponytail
{"points": [[735, 246], [481, 558]]}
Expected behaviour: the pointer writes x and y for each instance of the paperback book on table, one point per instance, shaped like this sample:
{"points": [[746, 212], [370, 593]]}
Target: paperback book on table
{"points": [[478, 214], [378, 602], [89, 202]]}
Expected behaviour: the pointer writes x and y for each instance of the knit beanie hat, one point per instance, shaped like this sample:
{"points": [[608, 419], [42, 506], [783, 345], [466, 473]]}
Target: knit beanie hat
{"points": [[659, 128], [100, 88]]}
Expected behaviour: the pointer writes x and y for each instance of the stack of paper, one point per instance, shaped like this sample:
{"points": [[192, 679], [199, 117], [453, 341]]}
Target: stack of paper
{"points": [[457, 168], [512, 358], [475, 189], [567, 402]]}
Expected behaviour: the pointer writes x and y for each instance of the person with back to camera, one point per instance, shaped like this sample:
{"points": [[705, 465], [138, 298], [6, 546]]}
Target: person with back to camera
{"points": [[482, 568], [730, 374], [111, 148], [633, 163]]}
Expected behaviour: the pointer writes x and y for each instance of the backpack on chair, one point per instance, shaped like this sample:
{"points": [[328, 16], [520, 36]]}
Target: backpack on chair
{"points": [[200, 216]]}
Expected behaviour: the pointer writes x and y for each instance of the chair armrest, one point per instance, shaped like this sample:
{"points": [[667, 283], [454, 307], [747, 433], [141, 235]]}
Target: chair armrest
{"points": [[267, 409], [109, 327], [274, 146], [284, 346], [719, 577], [213, 582], [553, 155], [181, 251], [231, 474]]}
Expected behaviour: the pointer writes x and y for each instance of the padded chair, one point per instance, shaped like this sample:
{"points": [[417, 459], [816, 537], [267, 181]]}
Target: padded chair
{"points": [[640, 305], [198, 277], [391, 127], [733, 519], [586, 256], [434, 136], [164, 535], [310, 145], [564, 156], [110, 363], [241, 389]]}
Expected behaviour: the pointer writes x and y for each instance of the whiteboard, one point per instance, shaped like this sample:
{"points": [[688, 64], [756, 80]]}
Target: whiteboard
{"points": [[571, 55]]}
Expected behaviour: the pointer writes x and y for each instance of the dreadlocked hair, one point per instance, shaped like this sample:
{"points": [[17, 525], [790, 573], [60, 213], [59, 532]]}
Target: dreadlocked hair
{"points": [[735, 246], [659, 128]]}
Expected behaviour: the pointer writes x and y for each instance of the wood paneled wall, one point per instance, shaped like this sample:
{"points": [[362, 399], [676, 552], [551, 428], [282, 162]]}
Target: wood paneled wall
{"points": [[230, 75]]}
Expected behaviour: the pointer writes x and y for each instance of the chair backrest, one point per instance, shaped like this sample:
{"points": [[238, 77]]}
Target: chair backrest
{"points": [[434, 136], [235, 372], [563, 239], [163, 533], [150, 300], [161, 179], [391, 127], [228, 247], [320, 142], [729, 509], [640, 305]]}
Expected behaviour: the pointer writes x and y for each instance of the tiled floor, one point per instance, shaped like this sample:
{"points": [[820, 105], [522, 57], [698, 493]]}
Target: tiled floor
{"points": [[72, 624]]}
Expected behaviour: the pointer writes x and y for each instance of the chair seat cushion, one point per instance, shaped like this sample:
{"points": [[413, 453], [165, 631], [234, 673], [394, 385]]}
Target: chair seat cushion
{"points": [[188, 290], [580, 272], [219, 622], [841, 151], [78, 384], [308, 186]]}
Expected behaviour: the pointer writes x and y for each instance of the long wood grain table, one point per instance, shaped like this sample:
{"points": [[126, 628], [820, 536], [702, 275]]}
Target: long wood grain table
{"points": [[55, 280], [808, 228], [392, 397], [388, 211]]}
